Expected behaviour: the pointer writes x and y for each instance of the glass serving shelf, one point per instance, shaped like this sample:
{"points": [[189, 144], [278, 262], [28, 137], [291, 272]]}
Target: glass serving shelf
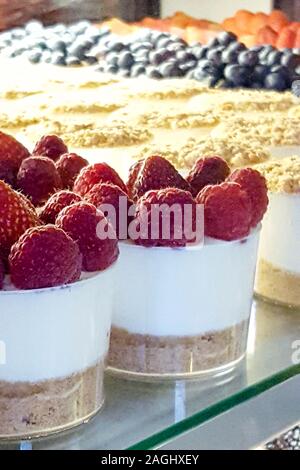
{"points": [[140, 415]]}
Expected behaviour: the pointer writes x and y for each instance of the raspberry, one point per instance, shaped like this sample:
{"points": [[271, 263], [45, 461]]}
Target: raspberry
{"points": [[82, 221], [255, 186], [38, 179], [148, 220], [96, 173], [57, 203], [133, 172], [50, 146], [2, 273], [155, 172], [16, 216], [209, 170], [107, 193], [69, 166], [11, 155], [44, 257], [227, 211]]}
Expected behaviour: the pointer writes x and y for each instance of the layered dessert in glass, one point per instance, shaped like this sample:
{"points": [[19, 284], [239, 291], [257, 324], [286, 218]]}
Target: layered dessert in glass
{"points": [[183, 303], [278, 275], [56, 293]]}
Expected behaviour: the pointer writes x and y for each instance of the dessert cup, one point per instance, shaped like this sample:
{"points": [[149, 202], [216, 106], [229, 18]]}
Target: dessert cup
{"points": [[278, 273], [54, 347], [182, 313]]}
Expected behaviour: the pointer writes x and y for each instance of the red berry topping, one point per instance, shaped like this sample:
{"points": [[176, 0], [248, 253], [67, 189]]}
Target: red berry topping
{"points": [[103, 194], [44, 257], [96, 173], [209, 170], [155, 172], [85, 224], [227, 211], [50, 146], [11, 155], [133, 172], [16, 216], [255, 185], [2, 273], [38, 179], [157, 227], [57, 203], [69, 166]]}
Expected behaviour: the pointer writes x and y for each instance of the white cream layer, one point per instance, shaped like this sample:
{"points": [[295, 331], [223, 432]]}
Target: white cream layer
{"points": [[280, 236], [188, 291], [52, 333]]}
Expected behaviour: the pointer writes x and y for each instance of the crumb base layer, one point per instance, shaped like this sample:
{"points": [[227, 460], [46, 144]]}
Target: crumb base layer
{"points": [[174, 356], [37, 409], [277, 285]]}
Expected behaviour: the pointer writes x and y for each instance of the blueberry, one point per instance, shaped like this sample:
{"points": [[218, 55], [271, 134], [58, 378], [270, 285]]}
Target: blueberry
{"points": [[290, 60], [213, 43], [199, 74], [80, 27], [18, 33], [116, 46], [77, 50], [160, 55], [237, 74], [212, 81], [58, 59], [164, 42], [263, 54], [248, 58], [215, 55], [257, 48], [137, 70], [296, 50], [58, 28], [111, 69], [46, 57], [90, 60], [176, 46], [72, 61], [200, 52], [296, 88], [190, 74], [208, 66], [57, 45], [34, 56], [170, 69], [256, 85], [152, 72], [275, 81], [274, 58], [226, 38], [33, 27], [259, 73], [187, 66], [226, 84], [125, 60], [229, 56], [16, 51], [112, 58], [236, 46]]}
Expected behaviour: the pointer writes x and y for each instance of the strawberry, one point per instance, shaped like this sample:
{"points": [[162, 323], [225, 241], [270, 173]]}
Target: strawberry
{"points": [[38, 178], [109, 194], [96, 238], [255, 186], [50, 146], [227, 211], [11, 155], [16, 216], [209, 170], [57, 203], [155, 172], [155, 228], [96, 173], [44, 257], [69, 166]]}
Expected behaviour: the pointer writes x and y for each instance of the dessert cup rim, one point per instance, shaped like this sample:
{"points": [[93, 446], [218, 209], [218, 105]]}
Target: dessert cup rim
{"points": [[42, 290], [195, 247]]}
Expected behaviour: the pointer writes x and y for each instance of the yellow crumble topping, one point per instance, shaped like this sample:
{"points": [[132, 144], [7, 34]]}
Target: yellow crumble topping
{"points": [[17, 120], [282, 175], [265, 130], [110, 135], [178, 120], [87, 107]]}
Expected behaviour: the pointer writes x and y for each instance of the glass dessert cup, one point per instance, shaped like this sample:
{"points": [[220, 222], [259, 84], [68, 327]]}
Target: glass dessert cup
{"points": [[278, 272], [182, 313], [54, 344]]}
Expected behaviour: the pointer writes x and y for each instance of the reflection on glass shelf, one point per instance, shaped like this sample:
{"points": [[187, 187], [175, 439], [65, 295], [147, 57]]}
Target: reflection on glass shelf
{"points": [[145, 414]]}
